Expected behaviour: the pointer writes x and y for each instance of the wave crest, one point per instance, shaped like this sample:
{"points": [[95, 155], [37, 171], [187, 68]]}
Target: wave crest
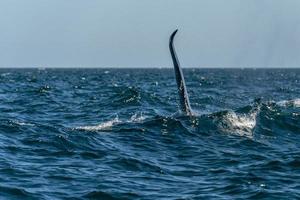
{"points": [[102, 126], [108, 125], [241, 124], [290, 103]]}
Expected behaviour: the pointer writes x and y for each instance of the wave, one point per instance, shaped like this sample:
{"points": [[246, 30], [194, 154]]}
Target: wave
{"points": [[22, 123], [16, 193], [5, 74], [128, 96], [102, 126], [229, 122], [107, 125], [109, 196], [241, 122], [289, 103]]}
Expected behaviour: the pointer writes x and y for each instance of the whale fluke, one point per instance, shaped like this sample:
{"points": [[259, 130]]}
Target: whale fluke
{"points": [[183, 95]]}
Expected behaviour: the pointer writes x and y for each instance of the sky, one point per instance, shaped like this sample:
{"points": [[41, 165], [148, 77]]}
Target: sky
{"points": [[135, 33]]}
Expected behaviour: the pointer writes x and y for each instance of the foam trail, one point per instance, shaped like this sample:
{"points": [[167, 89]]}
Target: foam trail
{"points": [[136, 118], [102, 126]]}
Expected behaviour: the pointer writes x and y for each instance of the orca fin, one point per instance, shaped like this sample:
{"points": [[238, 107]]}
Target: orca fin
{"points": [[182, 91]]}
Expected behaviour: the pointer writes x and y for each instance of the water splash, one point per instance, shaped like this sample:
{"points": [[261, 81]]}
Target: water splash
{"points": [[241, 124], [137, 117]]}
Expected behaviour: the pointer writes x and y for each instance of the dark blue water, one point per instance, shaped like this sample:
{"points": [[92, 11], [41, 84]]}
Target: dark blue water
{"points": [[117, 134]]}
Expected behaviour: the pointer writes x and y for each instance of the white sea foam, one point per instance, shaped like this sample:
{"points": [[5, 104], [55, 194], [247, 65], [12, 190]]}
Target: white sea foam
{"points": [[137, 117], [241, 124], [107, 125], [22, 123], [5, 74], [289, 103], [102, 126]]}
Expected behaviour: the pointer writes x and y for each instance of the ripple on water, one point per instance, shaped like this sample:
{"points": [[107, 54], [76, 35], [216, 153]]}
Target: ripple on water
{"points": [[113, 134]]}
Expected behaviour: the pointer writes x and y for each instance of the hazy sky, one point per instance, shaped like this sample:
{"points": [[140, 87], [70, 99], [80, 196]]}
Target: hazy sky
{"points": [[135, 33]]}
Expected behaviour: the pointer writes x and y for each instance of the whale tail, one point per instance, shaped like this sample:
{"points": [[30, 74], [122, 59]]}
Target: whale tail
{"points": [[182, 91]]}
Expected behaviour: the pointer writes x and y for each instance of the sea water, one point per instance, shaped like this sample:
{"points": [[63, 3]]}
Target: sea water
{"points": [[118, 134]]}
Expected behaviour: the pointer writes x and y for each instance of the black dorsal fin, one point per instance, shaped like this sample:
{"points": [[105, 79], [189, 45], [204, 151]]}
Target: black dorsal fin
{"points": [[183, 95]]}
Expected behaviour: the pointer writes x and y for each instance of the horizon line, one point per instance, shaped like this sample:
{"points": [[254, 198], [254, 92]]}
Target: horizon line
{"points": [[135, 67]]}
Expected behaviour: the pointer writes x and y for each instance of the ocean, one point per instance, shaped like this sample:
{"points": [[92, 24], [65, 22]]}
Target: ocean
{"points": [[118, 134]]}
